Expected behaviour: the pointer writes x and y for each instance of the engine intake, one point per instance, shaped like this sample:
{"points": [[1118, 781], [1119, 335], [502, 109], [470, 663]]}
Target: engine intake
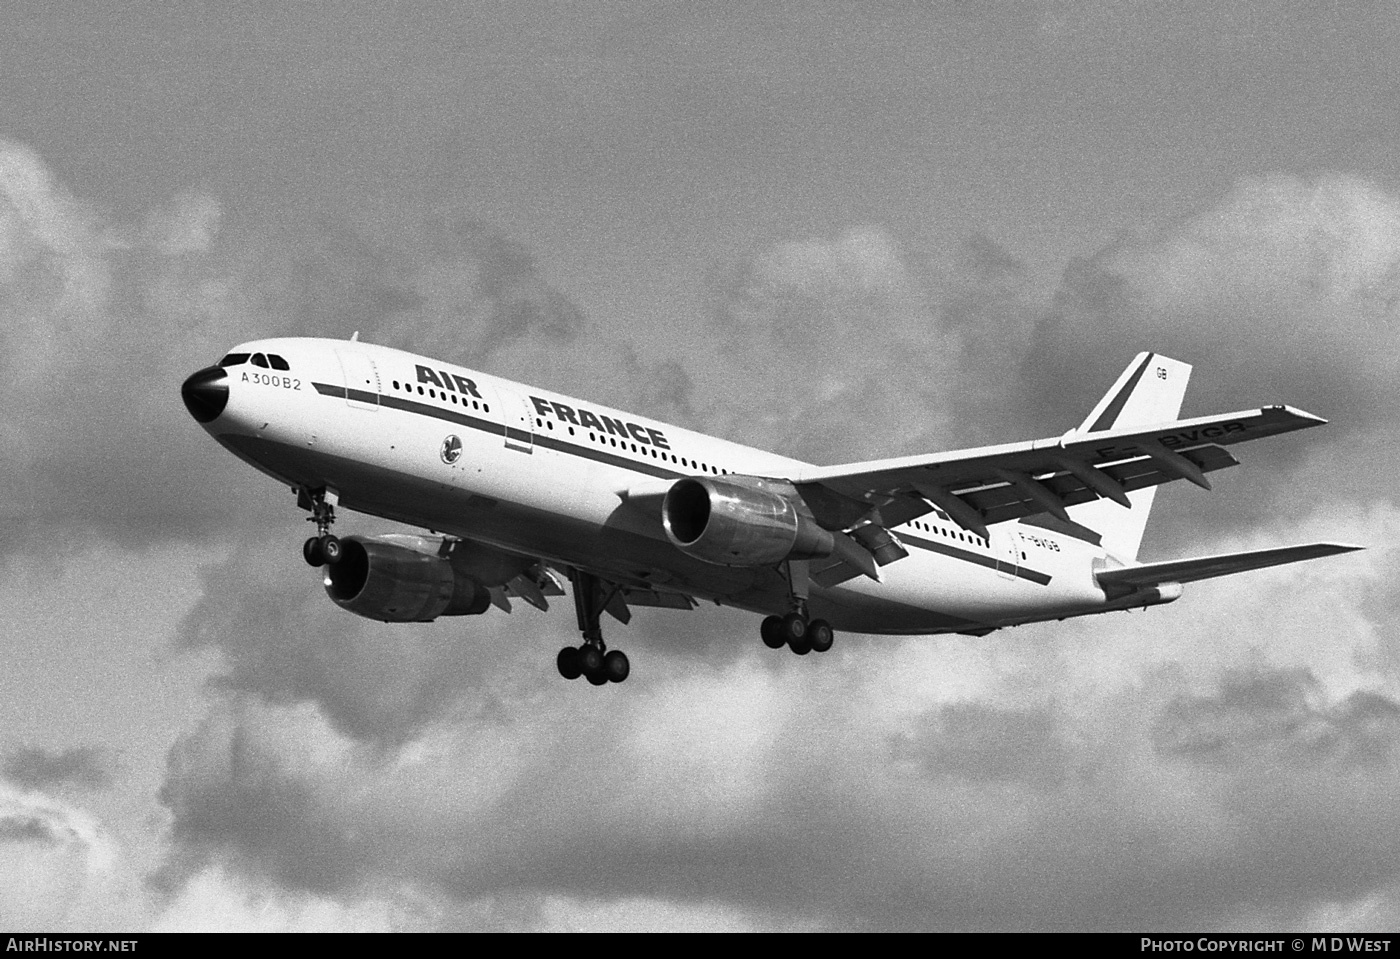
{"points": [[401, 579], [729, 524]]}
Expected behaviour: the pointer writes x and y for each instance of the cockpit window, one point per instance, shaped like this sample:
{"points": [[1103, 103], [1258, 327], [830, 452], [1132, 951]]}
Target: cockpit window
{"points": [[260, 360], [234, 359], [277, 362]]}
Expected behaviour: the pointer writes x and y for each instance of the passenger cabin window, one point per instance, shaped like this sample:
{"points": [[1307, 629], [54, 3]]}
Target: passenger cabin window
{"points": [[234, 359]]}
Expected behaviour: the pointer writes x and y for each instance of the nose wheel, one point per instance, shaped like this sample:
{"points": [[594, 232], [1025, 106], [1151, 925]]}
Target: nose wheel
{"points": [[323, 548]]}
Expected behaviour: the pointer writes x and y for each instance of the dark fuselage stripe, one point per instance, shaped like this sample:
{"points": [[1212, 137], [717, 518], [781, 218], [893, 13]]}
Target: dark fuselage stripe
{"points": [[991, 562], [492, 427]]}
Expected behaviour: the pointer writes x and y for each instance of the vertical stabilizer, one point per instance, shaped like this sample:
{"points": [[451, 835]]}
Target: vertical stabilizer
{"points": [[1149, 391]]}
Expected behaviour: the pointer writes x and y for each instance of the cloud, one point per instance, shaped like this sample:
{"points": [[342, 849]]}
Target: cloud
{"points": [[1283, 292], [101, 319], [281, 638], [1144, 774], [1112, 773], [1270, 713], [213, 901], [1285, 287], [92, 405], [59, 866], [26, 829], [983, 742], [34, 768], [820, 340]]}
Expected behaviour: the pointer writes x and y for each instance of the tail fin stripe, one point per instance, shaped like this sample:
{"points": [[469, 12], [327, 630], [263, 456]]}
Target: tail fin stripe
{"points": [[1148, 391], [1110, 413]]}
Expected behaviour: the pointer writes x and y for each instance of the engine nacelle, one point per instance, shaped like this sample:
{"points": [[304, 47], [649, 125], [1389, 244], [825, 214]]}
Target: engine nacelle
{"points": [[729, 524], [401, 579]]}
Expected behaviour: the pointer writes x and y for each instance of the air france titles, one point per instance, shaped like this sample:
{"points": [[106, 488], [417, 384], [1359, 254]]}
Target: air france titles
{"points": [[600, 423], [448, 381]]}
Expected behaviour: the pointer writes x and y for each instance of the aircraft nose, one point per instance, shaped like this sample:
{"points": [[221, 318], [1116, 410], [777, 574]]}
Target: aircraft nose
{"points": [[206, 393]]}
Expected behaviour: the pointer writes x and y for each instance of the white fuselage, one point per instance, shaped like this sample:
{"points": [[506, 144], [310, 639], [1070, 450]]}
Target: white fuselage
{"points": [[545, 475]]}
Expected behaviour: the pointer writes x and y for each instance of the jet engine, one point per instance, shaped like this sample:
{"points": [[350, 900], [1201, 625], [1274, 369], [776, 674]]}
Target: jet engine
{"points": [[401, 579], [729, 524]]}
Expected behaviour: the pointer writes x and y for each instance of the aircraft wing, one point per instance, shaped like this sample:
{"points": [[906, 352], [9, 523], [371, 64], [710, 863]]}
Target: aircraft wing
{"points": [[978, 487], [1208, 567]]}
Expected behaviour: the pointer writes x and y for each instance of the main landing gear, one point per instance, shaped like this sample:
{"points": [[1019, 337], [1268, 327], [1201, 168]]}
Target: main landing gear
{"points": [[323, 548], [796, 630], [592, 659]]}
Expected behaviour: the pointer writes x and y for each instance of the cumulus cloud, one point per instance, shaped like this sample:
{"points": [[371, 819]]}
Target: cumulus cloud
{"points": [[1287, 288], [1150, 771], [282, 640], [805, 800], [1146, 772], [808, 334], [1224, 762], [104, 318], [1283, 292], [34, 768], [100, 324], [1274, 715], [214, 901], [59, 866]]}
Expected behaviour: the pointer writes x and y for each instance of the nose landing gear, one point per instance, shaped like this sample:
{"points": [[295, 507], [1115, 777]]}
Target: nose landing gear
{"points": [[323, 548]]}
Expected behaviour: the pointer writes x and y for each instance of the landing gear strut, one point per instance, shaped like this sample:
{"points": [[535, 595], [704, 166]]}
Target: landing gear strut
{"points": [[796, 630], [592, 659], [323, 548]]}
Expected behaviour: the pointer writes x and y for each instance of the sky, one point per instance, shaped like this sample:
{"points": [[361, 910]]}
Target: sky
{"points": [[841, 231]]}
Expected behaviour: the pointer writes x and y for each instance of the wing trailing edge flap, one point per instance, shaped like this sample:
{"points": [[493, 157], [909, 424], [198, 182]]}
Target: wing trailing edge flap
{"points": [[1209, 567], [657, 597], [535, 584], [980, 487]]}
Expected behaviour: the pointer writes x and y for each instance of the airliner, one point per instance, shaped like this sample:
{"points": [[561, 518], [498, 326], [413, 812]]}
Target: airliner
{"points": [[521, 491]]}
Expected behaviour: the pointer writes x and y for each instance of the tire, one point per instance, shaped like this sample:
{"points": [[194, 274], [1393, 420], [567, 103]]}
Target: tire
{"points": [[311, 552], [820, 635], [772, 632], [616, 667], [568, 663], [331, 549], [794, 628], [590, 661]]}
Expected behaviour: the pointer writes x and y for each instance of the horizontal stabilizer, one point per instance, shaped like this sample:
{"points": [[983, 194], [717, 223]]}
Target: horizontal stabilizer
{"points": [[1208, 567]]}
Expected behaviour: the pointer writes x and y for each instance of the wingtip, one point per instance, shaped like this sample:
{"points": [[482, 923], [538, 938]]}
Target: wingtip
{"points": [[1334, 549], [1312, 418]]}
